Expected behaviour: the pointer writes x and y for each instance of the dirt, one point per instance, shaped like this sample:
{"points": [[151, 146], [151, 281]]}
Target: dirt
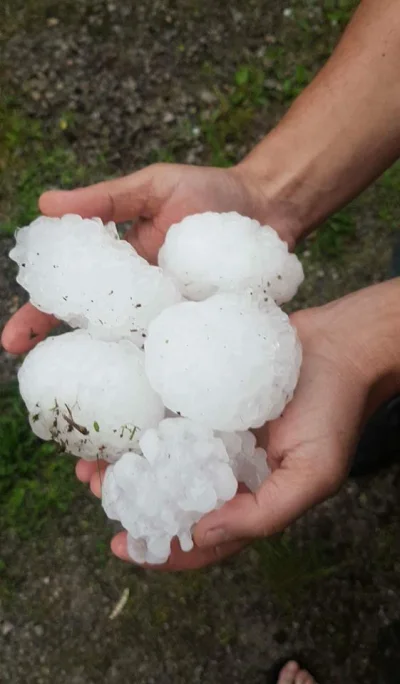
{"points": [[132, 74]]}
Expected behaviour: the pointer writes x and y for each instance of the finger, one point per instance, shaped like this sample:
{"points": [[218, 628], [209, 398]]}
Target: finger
{"points": [[84, 470], [179, 560], [26, 328], [122, 199], [146, 239], [285, 495], [97, 478]]}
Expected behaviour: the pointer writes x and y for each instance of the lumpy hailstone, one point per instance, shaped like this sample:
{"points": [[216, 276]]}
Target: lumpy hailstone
{"points": [[230, 362], [184, 472], [92, 397], [80, 271], [249, 462], [211, 252]]}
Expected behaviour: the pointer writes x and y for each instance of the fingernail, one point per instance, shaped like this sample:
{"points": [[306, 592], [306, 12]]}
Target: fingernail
{"points": [[215, 536]]}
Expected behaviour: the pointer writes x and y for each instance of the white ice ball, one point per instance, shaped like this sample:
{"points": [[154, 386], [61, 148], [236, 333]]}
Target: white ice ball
{"points": [[90, 396], [211, 252], [184, 472], [80, 271], [230, 362]]}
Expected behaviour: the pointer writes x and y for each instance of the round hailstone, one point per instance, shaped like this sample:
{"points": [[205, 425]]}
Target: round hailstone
{"points": [[209, 253], [90, 396], [80, 271], [184, 472], [231, 362]]}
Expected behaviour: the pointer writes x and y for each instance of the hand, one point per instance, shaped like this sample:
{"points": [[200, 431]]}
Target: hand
{"points": [[310, 447], [153, 199]]}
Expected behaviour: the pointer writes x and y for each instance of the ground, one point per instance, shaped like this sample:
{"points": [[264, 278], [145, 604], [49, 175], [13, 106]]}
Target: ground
{"points": [[91, 89]]}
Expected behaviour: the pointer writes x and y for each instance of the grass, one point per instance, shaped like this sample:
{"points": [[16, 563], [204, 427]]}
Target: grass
{"points": [[288, 569], [33, 158], [35, 482], [332, 239], [224, 127]]}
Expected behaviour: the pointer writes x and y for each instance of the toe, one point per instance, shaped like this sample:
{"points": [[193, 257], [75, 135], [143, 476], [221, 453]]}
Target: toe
{"points": [[304, 677], [288, 673]]}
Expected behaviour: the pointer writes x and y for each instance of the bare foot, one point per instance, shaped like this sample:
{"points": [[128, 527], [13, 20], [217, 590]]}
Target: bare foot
{"points": [[292, 674]]}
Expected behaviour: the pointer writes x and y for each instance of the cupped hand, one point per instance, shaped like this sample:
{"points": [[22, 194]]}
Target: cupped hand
{"points": [[310, 447], [151, 200]]}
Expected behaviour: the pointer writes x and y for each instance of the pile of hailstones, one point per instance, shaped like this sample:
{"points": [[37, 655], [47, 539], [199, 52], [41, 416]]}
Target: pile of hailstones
{"points": [[169, 366]]}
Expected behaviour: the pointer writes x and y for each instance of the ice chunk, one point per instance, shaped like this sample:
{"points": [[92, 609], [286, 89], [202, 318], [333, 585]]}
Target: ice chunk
{"points": [[90, 396], [226, 252], [184, 471], [230, 362], [80, 271], [248, 462]]}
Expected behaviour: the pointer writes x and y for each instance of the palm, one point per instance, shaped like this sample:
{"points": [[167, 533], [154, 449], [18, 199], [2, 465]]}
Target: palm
{"points": [[309, 449]]}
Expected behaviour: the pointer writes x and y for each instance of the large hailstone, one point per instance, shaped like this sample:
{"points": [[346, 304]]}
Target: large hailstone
{"points": [[230, 362], [80, 271], [90, 396], [211, 252], [184, 471]]}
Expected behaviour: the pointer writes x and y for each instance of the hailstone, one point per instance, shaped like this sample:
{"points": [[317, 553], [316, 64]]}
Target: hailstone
{"points": [[249, 462], [211, 252], [184, 471], [90, 396], [230, 362], [80, 271]]}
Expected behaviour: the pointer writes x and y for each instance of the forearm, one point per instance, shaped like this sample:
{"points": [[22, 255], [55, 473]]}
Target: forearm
{"points": [[344, 130]]}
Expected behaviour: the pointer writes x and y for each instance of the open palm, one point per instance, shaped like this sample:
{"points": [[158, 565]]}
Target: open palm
{"points": [[309, 450]]}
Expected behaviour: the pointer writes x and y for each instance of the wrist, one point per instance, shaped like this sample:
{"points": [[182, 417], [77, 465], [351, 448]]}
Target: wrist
{"points": [[293, 175], [270, 205]]}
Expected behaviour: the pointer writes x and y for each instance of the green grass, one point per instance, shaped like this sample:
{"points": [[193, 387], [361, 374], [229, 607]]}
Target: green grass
{"points": [[35, 482], [227, 123], [247, 99], [35, 157]]}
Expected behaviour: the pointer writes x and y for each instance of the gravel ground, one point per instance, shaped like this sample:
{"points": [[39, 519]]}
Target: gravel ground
{"points": [[136, 76]]}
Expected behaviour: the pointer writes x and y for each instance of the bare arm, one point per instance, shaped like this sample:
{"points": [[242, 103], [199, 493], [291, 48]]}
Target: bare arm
{"points": [[344, 129]]}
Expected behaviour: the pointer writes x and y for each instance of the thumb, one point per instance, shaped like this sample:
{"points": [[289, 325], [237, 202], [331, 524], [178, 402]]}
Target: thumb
{"points": [[297, 485], [122, 199]]}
